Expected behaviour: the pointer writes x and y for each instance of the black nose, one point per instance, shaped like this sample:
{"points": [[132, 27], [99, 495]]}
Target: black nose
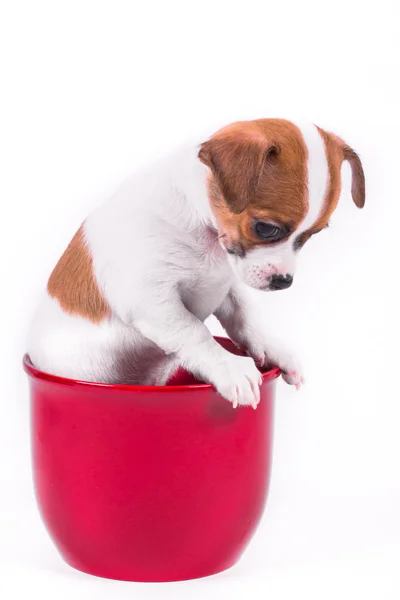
{"points": [[279, 282]]}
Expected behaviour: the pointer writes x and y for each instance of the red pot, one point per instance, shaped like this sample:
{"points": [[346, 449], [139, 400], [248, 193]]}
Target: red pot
{"points": [[149, 483]]}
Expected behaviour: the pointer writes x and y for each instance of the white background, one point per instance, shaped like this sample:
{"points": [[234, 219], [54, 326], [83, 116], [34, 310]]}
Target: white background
{"points": [[93, 89]]}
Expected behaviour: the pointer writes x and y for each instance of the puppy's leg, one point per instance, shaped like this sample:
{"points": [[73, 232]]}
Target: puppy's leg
{"points": [[238, 316], [165, 321]]}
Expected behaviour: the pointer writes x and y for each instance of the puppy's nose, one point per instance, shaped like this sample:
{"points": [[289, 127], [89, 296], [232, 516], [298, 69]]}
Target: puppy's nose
{"points": [[279, 282]]}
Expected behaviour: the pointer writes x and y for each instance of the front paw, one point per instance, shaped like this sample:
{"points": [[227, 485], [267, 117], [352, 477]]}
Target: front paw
{"points": [[238, 380], [271, 354], [293, 377]]}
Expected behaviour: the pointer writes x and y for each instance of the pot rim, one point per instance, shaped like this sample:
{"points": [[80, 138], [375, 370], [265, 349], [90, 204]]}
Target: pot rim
{"points": [[35, 373]]}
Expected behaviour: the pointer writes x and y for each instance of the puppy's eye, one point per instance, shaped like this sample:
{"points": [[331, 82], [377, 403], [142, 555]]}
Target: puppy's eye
{"points": [[267, 231]]}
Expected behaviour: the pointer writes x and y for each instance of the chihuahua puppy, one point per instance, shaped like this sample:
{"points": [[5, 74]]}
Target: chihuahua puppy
{"points": [[182, 240]]}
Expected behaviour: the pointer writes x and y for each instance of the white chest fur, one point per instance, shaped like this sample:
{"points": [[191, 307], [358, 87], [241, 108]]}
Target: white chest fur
{"points": [[203, 289]]}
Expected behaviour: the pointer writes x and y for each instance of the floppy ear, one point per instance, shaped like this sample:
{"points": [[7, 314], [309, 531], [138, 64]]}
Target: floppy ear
{"points": [[236, 162], [357, 174]]}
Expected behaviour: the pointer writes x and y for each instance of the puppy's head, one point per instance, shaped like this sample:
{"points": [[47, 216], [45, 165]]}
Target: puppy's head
{"points": [[272, 185]]}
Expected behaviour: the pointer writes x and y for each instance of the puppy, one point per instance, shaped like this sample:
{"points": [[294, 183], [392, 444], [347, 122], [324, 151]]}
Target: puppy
{"points": [[183, 240]]}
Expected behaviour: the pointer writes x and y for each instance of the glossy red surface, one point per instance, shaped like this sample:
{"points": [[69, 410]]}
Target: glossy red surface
{"points": [[149, 483]]}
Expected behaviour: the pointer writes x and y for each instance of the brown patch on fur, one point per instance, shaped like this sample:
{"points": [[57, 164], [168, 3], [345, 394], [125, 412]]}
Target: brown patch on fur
{"points": [[258, 172], [73, 283]]}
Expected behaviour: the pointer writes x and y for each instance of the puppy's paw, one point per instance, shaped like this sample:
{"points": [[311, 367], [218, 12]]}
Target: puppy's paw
{"points": [[293, 378], [238, 380], [290, 366], [272, 354]]}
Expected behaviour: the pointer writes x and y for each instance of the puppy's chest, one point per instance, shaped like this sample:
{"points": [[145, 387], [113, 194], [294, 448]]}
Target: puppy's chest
{"points": [[206, 284]]}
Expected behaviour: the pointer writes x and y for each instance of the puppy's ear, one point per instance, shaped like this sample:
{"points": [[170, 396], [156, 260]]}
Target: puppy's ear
{"points": [[357, 174], [236, 161]]}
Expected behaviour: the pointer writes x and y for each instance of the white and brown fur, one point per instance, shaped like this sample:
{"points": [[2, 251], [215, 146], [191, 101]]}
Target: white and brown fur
{"points": [[128, 299]]}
